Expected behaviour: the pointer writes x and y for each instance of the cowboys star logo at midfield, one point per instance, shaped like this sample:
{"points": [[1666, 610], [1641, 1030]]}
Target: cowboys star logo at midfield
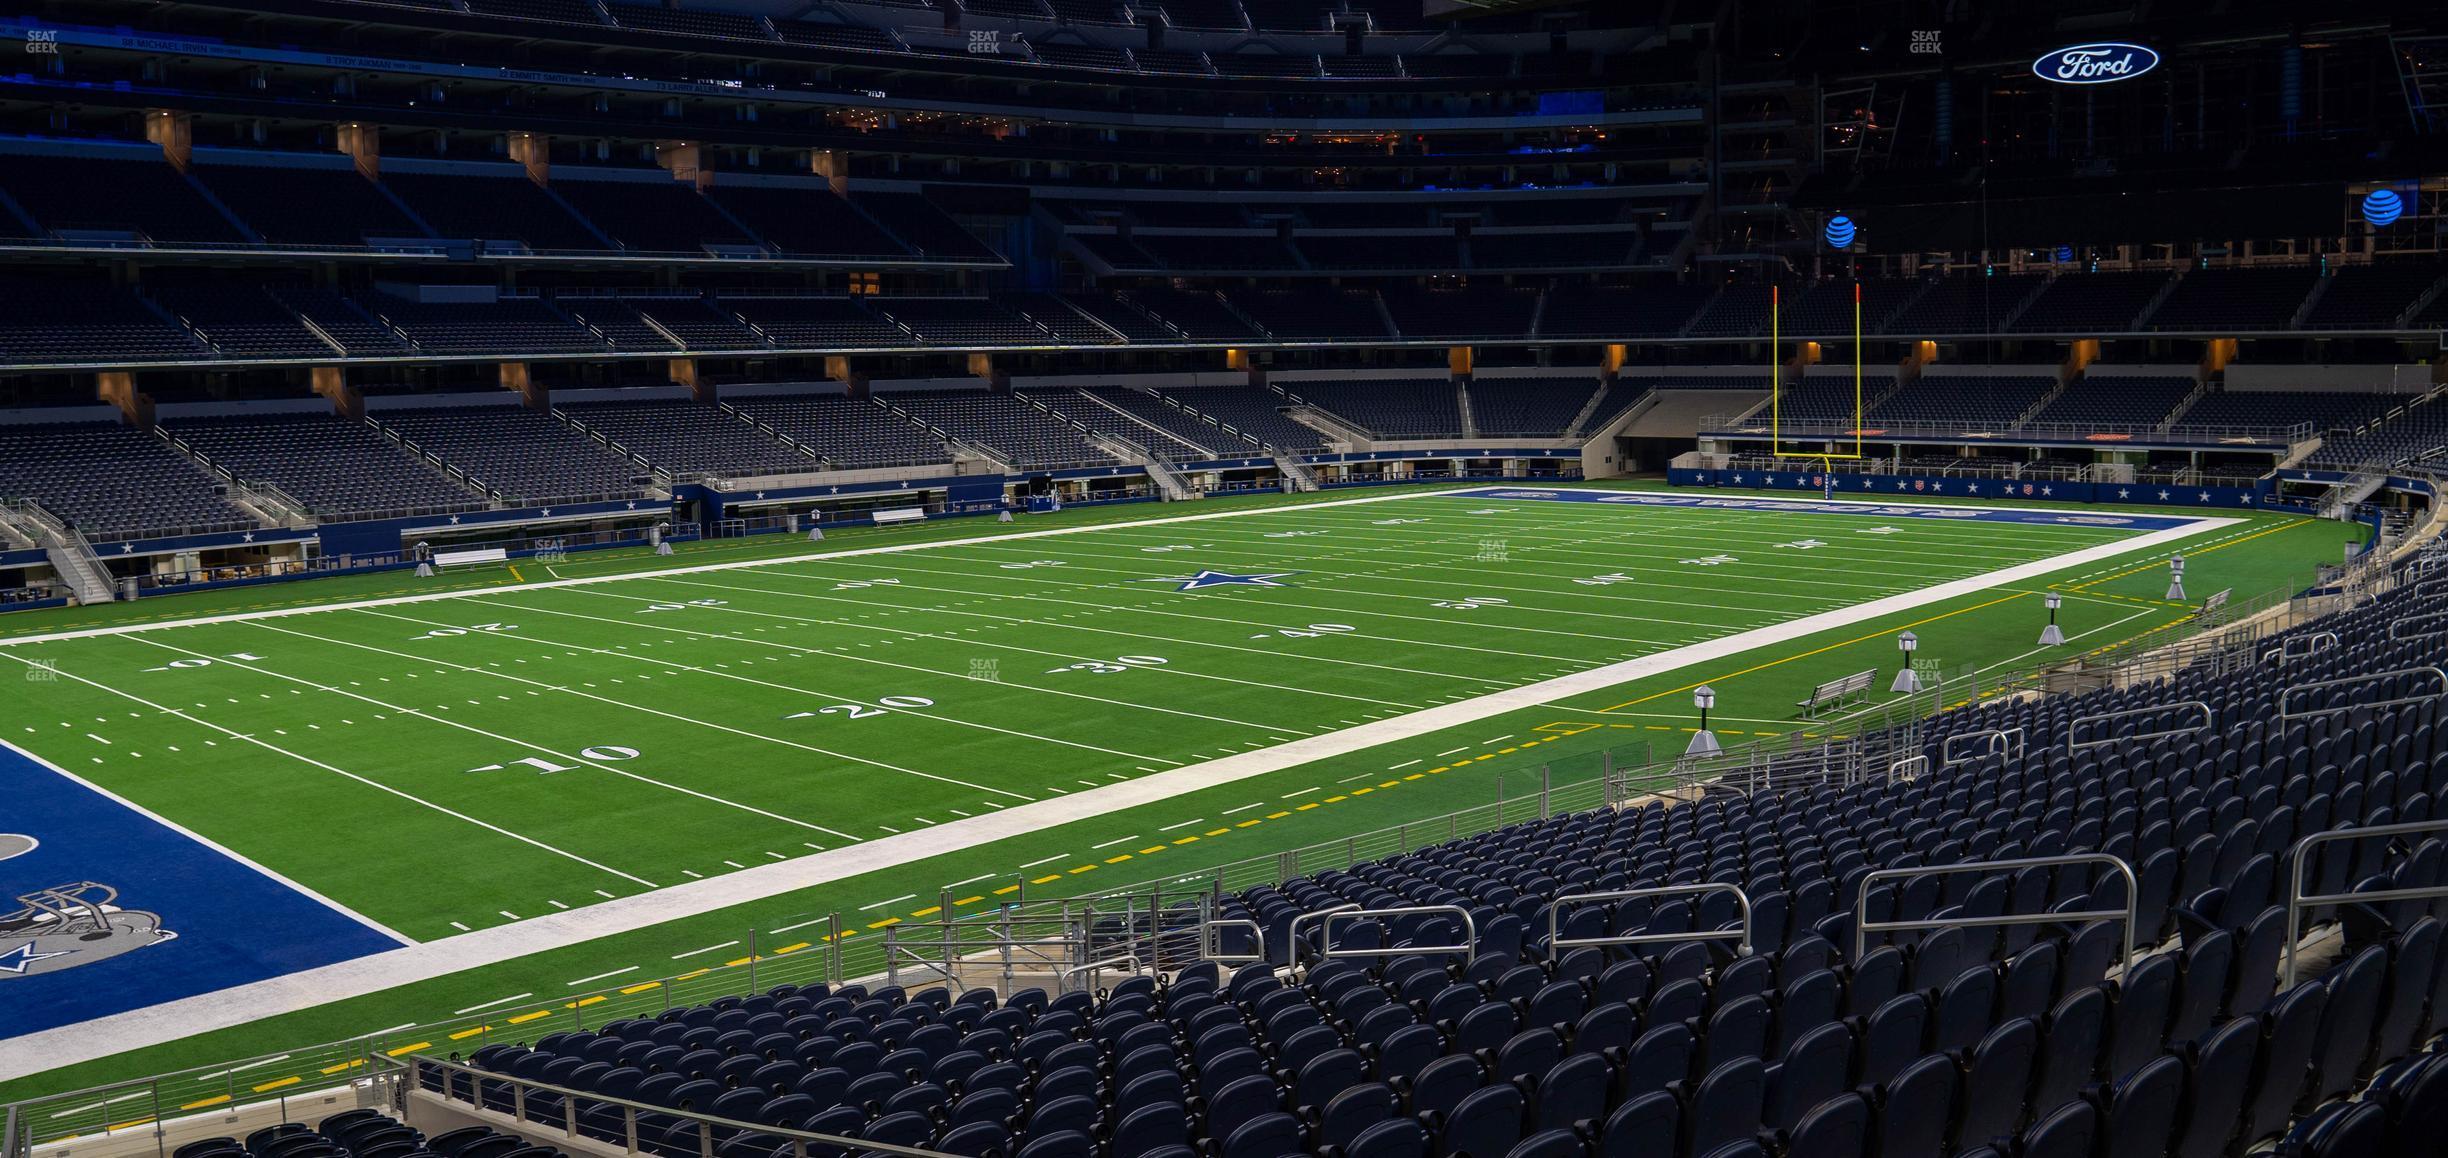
{"points": [[70, 925], [1206, 578]]}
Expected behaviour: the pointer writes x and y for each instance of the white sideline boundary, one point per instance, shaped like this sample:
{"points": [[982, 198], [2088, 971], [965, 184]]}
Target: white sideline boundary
{"points": [[239, 1005]]}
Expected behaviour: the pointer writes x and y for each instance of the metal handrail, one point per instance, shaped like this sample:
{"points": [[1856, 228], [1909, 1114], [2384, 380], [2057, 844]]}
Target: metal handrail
{"points": [[2284, 713], [410, 1069], [2009, 741], [1212, 950], [1469, 948], [1292, 931], [1741, 937], [2286, 649], [1920, 764], [2396, 632], [1863, 926], [2298, 900], [2209, 722]]}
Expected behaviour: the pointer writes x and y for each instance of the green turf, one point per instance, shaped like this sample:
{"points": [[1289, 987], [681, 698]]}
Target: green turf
{"points": [[728, 772]]}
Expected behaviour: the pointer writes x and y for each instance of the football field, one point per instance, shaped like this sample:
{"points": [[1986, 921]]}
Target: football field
{"points": [[563, 779]]}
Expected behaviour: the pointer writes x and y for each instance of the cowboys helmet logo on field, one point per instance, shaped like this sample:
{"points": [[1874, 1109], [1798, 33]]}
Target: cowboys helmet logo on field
{"points": [[70, 925]]}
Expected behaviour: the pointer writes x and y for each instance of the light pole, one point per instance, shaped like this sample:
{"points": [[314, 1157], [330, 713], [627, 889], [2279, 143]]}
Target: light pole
{"points": [[1907, 680], [1705, 743], [2050, 636], [2176, 578]]}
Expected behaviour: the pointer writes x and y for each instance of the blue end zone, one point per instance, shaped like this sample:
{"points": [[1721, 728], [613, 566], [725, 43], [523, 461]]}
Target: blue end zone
{"points": [[1837, 507], [187, 919]]}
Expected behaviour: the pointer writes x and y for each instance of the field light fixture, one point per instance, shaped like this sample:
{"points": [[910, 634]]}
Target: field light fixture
{"points": [[1705, 743]]}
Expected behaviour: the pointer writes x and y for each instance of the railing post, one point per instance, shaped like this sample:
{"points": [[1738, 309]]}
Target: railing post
{"points": [[892, 956], [834, 938], [1546, 792], [943, 912], [752, 959]]}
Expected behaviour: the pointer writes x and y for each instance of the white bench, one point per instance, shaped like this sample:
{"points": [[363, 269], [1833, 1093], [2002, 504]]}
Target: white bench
{"points": [[886, 518], [455, 558], [1838, 691]]}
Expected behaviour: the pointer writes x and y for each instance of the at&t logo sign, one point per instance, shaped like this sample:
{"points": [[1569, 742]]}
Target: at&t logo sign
{"points": [[2095, 63]]}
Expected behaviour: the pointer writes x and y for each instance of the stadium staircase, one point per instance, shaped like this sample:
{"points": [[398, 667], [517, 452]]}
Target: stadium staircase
{"points": [[1385, 317], [1538, 312], [773, 432], [2033, 411], [1588, 409], [67, 550], [1121, 415], [1462, 404], [1234, 309], [2167, 289], [1333, 426], [1297, 472], [2014, 311], [277, 508], [663, 478], [2421, 303], [2201, 390], [2359, 484], [2311, 302], [1168, 484]]}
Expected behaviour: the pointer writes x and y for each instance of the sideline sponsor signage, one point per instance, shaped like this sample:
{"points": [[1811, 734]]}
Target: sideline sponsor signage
{"points": [[2104, 63]]}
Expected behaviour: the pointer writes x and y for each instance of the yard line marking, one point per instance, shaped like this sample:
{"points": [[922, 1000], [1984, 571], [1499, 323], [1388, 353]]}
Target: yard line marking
{"points": [[802, 924], [1302, 792], [1151, 609], [707, 949], [881, 904], [706, 568], [597, 765], [96, 739], [1094, 847], [492, 1004], [814, 651], [303, 759], [1120, 558], [1720, 536], [1063, 620], [1243, 808], [1047, 860], [945, 719], [1183, 824], [956, 884], [1451, 751], [1403, 765], [1073, 656], [250, 1002], [207, 842], [602, 976]]}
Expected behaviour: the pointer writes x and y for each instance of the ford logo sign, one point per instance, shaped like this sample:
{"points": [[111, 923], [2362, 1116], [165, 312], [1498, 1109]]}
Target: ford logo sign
{"points": [[2095, 63]]}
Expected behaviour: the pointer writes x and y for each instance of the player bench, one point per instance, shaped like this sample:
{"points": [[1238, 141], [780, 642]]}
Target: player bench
{"points": [[1838, 691], [460, 558], [886, 518]]}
